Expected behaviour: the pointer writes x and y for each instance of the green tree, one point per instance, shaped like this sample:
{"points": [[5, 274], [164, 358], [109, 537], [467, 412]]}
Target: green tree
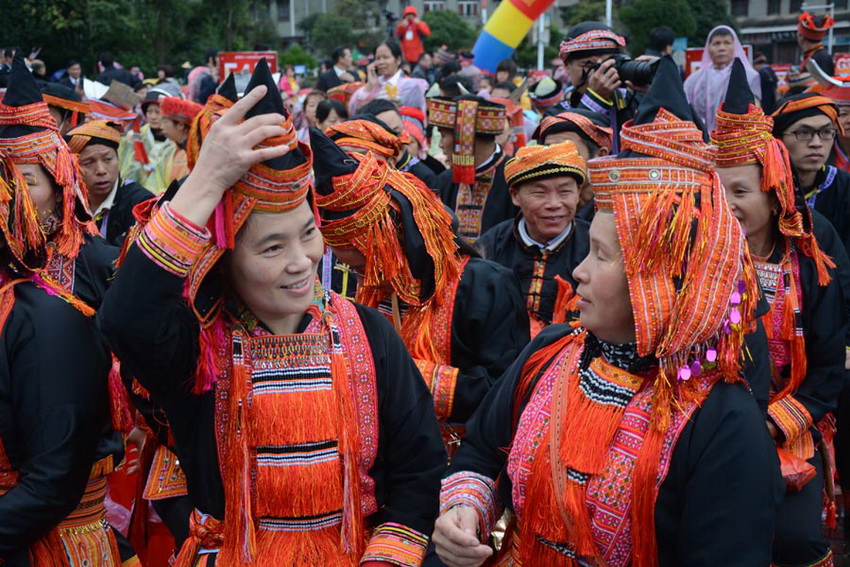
{"points": [[329, 31], [295, 55], [583, 11], [449, 29], [708, 14], [526, 53], [642, 16]]}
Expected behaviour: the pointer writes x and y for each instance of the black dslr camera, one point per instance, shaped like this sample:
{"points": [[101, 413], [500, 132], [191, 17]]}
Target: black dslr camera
{"points": [[640, 73]]}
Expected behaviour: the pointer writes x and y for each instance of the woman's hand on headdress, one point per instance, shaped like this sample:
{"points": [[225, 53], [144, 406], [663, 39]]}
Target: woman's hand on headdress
{"points": [[230, 148], [227, 153]]}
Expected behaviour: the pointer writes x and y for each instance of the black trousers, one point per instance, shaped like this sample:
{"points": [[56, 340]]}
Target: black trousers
{"points": [[798, 539]]}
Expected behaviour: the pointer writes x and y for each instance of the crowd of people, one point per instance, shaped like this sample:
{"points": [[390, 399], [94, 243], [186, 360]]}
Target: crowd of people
{"points": [[421, 314]]}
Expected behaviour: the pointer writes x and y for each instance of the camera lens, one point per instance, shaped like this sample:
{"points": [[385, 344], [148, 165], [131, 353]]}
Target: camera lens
{"points": [[640, 73]]}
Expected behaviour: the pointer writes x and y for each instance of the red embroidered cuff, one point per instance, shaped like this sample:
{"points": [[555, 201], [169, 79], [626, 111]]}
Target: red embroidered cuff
{"points": [[172, 242], [441, 380], [467, 488], [790, 417], [397, 545]]}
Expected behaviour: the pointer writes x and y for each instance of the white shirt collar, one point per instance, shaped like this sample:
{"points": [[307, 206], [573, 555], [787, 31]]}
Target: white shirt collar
{"points": [[549, 246], [489, 161], [109, 201], [339, 71]]}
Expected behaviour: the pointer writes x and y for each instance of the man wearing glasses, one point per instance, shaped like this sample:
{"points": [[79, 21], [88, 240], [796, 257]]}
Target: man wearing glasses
{"points": [[808, 124]]}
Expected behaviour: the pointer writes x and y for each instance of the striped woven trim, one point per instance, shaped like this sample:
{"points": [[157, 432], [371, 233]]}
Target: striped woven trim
{"points": [[467, 488], [592, 41], [302, 524], [31, 148], [790, 416], [396, 544], [489, 119], [172, 242], [741, 138], [443, 390], [616, 389], [304, 454], [35, 114]]}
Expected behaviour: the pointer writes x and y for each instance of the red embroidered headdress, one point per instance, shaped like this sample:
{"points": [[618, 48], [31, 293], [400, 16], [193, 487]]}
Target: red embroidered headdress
{"points": [[369, 133], [179, 110], [683, 249], [29, 135], [273, 186], [693, 292], [743, 136], [399, 226], [466, 116], [94, 132], [814, 27]]}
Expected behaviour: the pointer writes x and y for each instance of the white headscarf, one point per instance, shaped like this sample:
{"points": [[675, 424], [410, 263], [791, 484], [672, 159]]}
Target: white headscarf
{"points": [[706, 88]]}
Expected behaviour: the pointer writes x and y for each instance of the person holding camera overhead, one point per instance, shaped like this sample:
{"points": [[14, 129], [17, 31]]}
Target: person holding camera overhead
{"points": [[706, 88], [591, 52]]}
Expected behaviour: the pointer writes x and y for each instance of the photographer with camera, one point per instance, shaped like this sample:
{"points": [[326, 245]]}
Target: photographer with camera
{"points": [[604, 78]]}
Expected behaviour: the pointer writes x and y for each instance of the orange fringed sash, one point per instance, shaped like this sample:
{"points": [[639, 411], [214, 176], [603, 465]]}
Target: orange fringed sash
{"points": [[568, 513], [295, 491]]}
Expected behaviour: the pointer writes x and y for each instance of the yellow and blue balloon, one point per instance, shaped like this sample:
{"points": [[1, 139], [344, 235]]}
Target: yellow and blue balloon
{"points": [[505, 29]]}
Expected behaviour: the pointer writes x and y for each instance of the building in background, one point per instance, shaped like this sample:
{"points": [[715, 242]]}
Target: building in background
{"points": [[771, 26]]}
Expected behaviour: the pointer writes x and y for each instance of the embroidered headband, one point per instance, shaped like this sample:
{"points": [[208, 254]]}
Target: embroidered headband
{"points": [[594, 40], [94, 131], [540, 162]]}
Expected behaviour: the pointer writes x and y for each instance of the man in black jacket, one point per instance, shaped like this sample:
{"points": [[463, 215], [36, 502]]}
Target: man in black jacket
{"points": [[112, 73], [340, 72], [110, 199]]}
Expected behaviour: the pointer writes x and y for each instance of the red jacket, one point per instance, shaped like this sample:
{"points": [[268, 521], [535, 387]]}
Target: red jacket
{"points": [[410, 37]]}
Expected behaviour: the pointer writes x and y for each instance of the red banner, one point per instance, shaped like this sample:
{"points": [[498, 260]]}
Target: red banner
{"points": [[243, 61], [842, 64]]}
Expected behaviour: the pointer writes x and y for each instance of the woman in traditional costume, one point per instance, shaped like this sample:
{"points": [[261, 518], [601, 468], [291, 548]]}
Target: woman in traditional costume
{"points": [[807, 323], [461, 317], [76, 267], [305, 432], [633, 439]]}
